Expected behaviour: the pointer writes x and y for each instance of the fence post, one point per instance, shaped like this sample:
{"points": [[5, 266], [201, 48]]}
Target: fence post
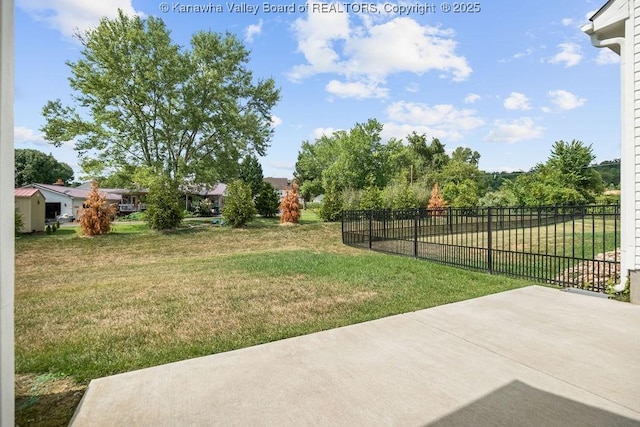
{"points": [[370, 227], [416, 218], [490, 241]]}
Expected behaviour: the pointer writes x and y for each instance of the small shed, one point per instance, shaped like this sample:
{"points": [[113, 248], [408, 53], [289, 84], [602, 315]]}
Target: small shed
{"points": [[31, 204]]}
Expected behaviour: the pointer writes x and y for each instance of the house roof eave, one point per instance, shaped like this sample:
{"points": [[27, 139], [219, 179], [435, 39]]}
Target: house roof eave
{"points": [[608, 21]]}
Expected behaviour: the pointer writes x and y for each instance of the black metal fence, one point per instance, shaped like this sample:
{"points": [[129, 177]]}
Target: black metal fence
{"points": [[575, 246]]}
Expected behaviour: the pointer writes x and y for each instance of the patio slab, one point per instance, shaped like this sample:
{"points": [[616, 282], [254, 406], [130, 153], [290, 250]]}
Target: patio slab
{"points": [[529, 357]]}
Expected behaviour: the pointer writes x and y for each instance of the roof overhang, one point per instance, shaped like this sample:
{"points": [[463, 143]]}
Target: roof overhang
{"points": [[608, 23]]}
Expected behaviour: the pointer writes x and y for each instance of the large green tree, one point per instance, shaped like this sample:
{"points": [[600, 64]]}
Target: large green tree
{"points": [[140, 99], [566, 178], [33, 166], [426, 159], [354, 158], [313, 159]]}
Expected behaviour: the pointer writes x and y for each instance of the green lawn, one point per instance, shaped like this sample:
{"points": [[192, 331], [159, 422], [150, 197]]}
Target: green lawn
{"points": [[90, 307]]}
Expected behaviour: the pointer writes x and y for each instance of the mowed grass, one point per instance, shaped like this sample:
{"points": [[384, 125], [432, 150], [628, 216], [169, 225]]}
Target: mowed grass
{"points": [[91, 307], [579, 238]]}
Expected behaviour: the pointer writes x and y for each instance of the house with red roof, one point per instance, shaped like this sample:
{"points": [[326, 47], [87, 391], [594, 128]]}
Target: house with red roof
{"points": [[65, 203]]}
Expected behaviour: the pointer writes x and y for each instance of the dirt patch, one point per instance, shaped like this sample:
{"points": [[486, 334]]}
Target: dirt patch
{"points": [[46, 400]]}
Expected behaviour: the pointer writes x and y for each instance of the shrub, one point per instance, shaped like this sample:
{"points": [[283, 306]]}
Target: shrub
{"points": [[96, 214], [239, 208], [164, 207], [331, 209], [607, 199], [371, 198], [267, 201], [461, 195], [290, 205], [405, 198], [351, 199], [203, 207], [19, 222], [502, 198], [399, 195]]}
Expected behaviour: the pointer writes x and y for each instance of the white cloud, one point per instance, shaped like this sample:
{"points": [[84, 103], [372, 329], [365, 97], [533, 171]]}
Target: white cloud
{"points": [[315, 36], [252, 31], [570, 55], [514, 131], [472, 98], [403, 45], [607, 56], [23, 134], [401, 130], [320, 132], [519, 55], [517, 101], [568, 22], [275, 121], [565, 100], [441, 121], [357, 90], [371, 51], [412, 87], [71, 16]]}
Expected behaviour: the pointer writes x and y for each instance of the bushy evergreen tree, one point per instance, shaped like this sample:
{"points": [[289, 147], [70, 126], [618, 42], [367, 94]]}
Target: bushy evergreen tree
{"points": [[267, 201], [331, 209], [164, 204], [239, 208], [371, 198]]}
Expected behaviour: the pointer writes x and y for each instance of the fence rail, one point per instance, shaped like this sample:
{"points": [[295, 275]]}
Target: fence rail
{"points": [[572, 246]]}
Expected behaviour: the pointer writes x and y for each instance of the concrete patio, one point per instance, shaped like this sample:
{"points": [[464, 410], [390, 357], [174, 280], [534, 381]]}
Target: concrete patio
{"points": [[529, 357]]}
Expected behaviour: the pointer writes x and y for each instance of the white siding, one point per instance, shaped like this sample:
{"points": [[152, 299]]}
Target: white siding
{"points": [[66, 203], [634, 20]]}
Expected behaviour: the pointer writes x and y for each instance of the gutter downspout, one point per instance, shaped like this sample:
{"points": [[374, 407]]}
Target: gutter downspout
{"points": [[620, 41]]}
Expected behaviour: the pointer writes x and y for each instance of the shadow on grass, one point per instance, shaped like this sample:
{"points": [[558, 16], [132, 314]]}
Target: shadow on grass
{"points": [[60, 233], [49, 403]]}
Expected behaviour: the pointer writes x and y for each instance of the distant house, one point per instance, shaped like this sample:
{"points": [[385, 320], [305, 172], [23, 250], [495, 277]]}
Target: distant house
{"points": [[66, 202], [280, 184], [30, 202], [215, 195], [131, 200]]}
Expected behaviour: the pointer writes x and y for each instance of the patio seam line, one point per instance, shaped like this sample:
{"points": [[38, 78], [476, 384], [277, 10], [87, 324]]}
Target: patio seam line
{"points": [[519, 362]]}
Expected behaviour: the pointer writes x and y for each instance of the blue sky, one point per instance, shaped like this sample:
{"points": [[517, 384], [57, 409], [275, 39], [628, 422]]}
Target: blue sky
{"points": [[507, 81]]}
